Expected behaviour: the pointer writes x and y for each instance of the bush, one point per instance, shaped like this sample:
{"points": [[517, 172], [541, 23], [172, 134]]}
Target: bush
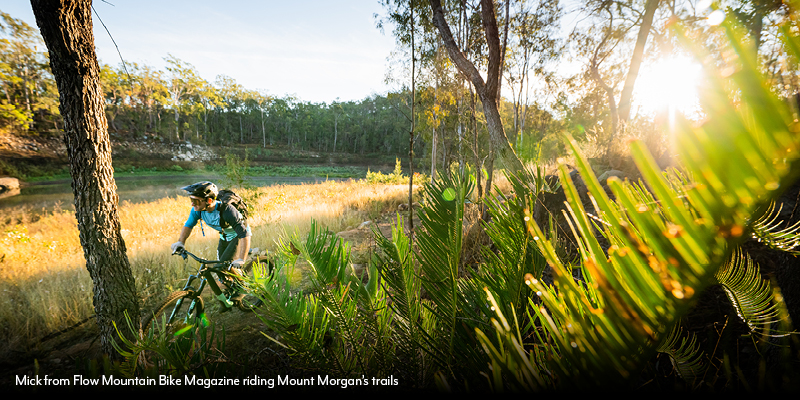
{"points": [[394, 178]]}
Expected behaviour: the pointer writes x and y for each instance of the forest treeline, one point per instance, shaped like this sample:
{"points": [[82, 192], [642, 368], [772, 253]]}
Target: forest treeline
{"points": [[539, 100]]}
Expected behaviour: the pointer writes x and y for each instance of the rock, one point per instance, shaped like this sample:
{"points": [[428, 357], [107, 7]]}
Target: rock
{"points": [[365, 224], [608, 174], [404, 206], [8, 183]]}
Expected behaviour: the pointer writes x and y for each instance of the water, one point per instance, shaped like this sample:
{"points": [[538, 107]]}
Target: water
{"points": [[47, 196]]}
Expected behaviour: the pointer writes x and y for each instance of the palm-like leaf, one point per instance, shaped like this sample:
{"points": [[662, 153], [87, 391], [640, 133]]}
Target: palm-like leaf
{"points": [[750, 295], [336, 291], [454, 302], [514, 254], [768, 230], [683, 352], [299, 320], [395, 263], [665, 251]]}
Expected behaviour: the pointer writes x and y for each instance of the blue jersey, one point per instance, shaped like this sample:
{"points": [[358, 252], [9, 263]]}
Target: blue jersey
{"points": [[235, 225]]}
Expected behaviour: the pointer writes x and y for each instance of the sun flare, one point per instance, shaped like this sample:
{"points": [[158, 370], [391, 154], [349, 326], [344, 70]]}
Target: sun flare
{"points": [[669, 84]]}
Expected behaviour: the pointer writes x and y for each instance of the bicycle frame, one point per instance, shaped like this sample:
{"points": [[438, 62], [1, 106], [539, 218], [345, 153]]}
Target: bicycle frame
{"points": [[206, 277]]}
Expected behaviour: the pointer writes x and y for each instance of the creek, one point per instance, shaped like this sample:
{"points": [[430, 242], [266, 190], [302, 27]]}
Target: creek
{"points": [[44, 197]]}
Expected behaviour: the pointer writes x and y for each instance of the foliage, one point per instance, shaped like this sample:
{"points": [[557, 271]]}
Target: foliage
{"points": [[668, 241], [594, 320], [327, 329], [195, 349], [236, 171], [396, 177]]}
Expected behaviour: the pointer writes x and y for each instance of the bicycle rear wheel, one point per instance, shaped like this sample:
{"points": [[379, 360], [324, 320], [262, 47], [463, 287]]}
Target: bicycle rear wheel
{"points": [[176, 308]]}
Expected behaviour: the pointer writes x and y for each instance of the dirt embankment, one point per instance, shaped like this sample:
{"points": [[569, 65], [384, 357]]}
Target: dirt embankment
{"points": [[43, 155], [32, 155]]}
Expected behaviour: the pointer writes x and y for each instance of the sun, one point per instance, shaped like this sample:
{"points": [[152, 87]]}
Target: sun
{"points": [[669, 84]]}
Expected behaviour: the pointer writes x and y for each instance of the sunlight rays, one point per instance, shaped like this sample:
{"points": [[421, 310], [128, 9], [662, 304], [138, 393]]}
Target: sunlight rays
{"points": [[667, 86]]}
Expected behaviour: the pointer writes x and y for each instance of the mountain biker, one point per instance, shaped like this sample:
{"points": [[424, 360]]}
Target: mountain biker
{"points": [[234, 238]]}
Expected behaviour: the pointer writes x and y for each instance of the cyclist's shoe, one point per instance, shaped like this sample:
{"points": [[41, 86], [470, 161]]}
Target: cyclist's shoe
{"points": [[225, 304], [222, 307]]}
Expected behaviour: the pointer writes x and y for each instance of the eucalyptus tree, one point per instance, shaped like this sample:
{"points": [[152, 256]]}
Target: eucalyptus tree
{"points": [[183, 83], [767, 21], [262, 101], [232, 96], [489, 89], [605, 42], [116, 89], [338, 112], [208, 98], [27, 83], [533, 44], [149, 94]]}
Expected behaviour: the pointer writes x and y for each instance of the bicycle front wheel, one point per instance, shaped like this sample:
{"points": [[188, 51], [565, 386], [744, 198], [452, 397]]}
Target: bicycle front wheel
{"points": [[177, 308]]}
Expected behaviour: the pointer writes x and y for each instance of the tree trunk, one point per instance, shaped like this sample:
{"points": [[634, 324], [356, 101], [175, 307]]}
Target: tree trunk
{"points": [[488, 91], [594, 68], [433, 138], [66, 27], [177, 125], [411, 132], [626, 97]]}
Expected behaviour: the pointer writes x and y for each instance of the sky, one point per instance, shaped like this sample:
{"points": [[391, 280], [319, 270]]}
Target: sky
{"points": [[316, 50]]}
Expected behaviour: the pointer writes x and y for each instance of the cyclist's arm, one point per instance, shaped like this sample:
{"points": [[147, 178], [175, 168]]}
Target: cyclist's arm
{"points": [[185, 232], [242, 248], [239, 225]]}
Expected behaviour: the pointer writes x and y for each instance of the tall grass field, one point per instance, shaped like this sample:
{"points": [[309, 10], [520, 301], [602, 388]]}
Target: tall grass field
{"points": [[44, 286]]}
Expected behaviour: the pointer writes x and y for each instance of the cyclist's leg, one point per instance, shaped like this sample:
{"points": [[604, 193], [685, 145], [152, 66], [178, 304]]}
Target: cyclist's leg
{"points": [[227, 249]]}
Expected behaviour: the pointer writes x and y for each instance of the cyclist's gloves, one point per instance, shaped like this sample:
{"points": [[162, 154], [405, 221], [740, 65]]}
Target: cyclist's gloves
{"points": [[236, 266], [176, 246]]}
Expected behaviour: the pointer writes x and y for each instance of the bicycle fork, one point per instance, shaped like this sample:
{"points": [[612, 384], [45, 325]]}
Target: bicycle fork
{"points": [[196, 300]]}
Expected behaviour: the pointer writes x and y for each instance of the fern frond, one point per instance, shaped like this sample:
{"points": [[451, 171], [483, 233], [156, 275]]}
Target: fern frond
{"points": [[440, 246], [683, 351], [513, 368], [513, 254], [750, 295], [767, 230], [299, 320]]}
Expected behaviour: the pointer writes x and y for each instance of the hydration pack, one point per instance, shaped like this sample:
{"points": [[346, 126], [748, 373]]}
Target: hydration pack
{"points": [[229, 198]]}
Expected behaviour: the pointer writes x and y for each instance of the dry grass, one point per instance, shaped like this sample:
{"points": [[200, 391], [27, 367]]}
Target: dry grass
{"points": [[43, 279]]}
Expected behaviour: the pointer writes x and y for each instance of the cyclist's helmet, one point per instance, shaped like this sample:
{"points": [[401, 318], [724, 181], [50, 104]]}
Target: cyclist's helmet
{"points": [[203, 190]]}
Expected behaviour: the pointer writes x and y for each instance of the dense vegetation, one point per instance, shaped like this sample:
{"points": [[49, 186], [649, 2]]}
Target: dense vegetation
{"points": [[603, 292], [584, 299]]}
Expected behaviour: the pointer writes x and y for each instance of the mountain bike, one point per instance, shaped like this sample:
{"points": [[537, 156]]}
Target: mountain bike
{"points": [[229, 288]]}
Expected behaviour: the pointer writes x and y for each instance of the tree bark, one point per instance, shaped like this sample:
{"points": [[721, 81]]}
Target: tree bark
{"points": [[488, 91], [66, 27]]}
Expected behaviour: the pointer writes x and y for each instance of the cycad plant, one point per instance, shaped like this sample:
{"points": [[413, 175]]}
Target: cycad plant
{"points": [[643, 261], [669, 238]]}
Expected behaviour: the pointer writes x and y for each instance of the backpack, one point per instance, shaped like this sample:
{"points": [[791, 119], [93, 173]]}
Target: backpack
{"points": [[229, 198]]}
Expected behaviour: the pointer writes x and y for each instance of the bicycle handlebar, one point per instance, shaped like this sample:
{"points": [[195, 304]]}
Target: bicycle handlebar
{"points": [[183, 253]]}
